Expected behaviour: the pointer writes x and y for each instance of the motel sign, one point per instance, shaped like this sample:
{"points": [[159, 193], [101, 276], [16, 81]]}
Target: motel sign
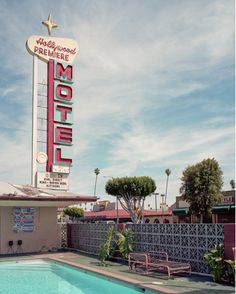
{"points": [[59, 54]]}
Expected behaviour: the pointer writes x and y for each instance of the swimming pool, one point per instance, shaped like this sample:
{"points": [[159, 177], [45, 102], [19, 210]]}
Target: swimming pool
{"points": [[47, 277]]}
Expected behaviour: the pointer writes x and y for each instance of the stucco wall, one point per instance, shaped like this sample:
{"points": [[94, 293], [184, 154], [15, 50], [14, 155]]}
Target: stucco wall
{"points": [[162, 219], [43, 238], [229, 241]]}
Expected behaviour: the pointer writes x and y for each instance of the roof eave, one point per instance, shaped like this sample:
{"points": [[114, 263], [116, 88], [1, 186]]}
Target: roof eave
{"points": [[52, 201]]}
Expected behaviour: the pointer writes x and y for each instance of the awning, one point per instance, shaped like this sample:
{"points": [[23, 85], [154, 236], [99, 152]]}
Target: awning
{"points": [[180, 211], [222, 208], [232, 208]]}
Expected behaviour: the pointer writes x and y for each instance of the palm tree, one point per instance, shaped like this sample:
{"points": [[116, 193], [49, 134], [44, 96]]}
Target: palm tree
{"points": [[232, 184], [97, 172], [168, 172]]}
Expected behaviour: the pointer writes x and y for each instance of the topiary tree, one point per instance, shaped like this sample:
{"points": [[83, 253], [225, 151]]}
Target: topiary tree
{"points": [[131, 193], [201, 186], [74, 212]]}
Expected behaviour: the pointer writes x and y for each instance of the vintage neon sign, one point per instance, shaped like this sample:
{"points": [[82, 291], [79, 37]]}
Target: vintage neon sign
{"points": [[59, 54]]}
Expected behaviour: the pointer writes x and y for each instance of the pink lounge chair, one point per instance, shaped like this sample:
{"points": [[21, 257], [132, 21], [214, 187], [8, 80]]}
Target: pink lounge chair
{"points": [[157, 261], [137, 259]]}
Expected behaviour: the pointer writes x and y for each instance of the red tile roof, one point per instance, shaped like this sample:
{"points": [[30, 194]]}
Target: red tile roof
{"points": [[108, 214], [157, 213]]}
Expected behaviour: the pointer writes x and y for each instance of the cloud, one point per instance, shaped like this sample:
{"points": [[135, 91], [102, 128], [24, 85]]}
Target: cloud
{"points": [[153, 84], [145, 145]]}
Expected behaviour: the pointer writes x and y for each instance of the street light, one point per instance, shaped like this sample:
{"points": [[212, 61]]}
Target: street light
{"points": [[117, 210]]}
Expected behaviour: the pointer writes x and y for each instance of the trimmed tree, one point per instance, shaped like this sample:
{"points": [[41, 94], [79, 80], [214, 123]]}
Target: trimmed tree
{"points": [[74, 212], [201, 187], [131, 193]]}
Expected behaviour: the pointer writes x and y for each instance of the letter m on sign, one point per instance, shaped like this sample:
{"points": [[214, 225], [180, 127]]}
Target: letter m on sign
{"points": [[63, 72]]}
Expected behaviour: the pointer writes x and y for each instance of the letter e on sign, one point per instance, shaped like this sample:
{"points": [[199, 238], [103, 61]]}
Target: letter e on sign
{"points": [[63, 135]]}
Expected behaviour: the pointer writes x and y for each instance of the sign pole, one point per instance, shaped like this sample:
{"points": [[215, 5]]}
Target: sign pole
{"points": [[34, 120]]}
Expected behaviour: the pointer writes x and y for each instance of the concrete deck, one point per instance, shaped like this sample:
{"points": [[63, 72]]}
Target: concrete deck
{"points": [[193, 284]]}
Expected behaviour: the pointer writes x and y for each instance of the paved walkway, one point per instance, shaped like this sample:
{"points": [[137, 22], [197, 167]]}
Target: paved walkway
{"points": [[193, 284]]}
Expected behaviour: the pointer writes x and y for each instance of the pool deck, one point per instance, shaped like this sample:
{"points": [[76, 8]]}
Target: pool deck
{"points": [[194, 284]]}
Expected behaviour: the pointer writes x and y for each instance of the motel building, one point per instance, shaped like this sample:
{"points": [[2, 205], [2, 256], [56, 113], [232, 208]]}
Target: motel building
{"points": [[223, 212], [106, 211], [28, 213], [28, 217]]}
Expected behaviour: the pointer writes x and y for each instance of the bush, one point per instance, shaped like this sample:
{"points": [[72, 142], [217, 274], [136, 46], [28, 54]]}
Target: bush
{"points": [[230, 270], [74, 212], [125, 242], [215, 259], [104, 250]]}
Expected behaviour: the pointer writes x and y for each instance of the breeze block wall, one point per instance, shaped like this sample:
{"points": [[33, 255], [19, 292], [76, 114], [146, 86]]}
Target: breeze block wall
{"points": [[182, 242], [89, 237]]}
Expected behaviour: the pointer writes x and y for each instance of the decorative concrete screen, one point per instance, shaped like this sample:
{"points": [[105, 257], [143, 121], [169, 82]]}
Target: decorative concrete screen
{"points": [[62, 230], [182, 242], [89, 237]]}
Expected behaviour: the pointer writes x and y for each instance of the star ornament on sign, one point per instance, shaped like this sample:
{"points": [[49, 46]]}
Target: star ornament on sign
{"points": [[49, 24]]}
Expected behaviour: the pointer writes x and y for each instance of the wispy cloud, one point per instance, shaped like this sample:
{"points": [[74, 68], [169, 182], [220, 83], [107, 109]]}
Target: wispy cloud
{"points": [[153, 88]]}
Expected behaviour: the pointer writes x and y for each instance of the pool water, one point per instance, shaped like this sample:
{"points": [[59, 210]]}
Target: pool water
{"points": [[46, 277]]}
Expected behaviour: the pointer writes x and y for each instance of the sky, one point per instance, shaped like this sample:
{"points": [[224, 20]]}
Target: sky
{"points": [[154, 88]]}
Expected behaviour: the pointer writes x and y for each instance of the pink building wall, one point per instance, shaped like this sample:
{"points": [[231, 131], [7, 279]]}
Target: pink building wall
{"points": [[229, 240]]}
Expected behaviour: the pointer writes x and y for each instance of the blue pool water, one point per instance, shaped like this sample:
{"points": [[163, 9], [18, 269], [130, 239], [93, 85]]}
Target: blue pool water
{"points": [[46, 277]]}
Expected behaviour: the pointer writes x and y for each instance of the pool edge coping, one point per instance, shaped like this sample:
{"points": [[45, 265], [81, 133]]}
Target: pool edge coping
{"points": [[133, 282]]}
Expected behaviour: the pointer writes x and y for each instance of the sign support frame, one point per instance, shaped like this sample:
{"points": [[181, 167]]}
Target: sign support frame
{"points": [[34, 120]]}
